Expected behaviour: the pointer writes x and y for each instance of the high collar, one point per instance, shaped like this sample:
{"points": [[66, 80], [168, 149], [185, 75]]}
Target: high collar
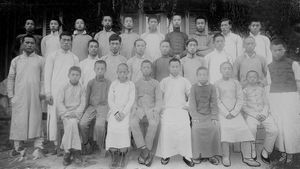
{"points": [[76, 32], [64, 52], [176, 29], [199, 84], [24, 54], [217, 51], [93, 58], [228, 34], [201, 33], [248, 56], [100, 79], [117, 54], [54, 33], [174, 77], [254, 35]]}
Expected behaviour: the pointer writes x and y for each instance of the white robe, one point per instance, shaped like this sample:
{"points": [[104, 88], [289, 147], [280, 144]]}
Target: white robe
{"points": [[175, 134], [56, 75], [233, 46], [153, 44], [263, 46], [121, 97], [87, 70], [134, 65], [50, 44]]}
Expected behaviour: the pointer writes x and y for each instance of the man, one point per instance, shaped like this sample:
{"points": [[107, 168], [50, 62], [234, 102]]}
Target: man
{"points": [[50, 43], [153, 38], [233, 42], [80, 40], [205, 45], [29, 30], [25, 88], [128, 38], [103, 36], [177, 39], [56, 75]]}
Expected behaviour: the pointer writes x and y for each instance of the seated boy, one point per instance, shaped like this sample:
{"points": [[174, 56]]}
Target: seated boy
{"points": [[71, 103], [96, 108], [147, 105]]}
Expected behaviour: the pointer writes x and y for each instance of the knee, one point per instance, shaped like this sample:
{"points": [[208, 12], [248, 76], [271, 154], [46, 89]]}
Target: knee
{"points": [[134, 122], [99, 124], [83, 124], [272, 130], [153, 122]]}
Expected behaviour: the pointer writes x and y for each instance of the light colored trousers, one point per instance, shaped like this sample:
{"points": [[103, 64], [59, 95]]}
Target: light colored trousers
{"points": [[71, 137]]}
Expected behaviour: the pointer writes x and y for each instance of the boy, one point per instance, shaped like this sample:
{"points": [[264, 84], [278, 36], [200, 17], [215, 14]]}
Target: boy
{"points": [[177, 39], [232, 124], [114, 58], [153, 38], [191, 62], [284, 100], [262, 47], [50, 43], [233, 42], [256, 107], [161, 65], [250, 61], [96, 108], [70, 105], [175, 134], [216, 58], [204, 112], [121, 97], [103, 36], [134, 63], [87, 65], [80, 40], [128, 38], [147, 107]]}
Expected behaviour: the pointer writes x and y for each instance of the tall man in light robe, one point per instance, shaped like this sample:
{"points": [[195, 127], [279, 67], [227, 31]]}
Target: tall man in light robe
{"points": [[233, 42], [50, 43], [25, 88], [56, 75]]}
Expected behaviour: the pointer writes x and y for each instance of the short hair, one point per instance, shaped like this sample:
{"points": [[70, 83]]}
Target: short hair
{"points": [[65, 33], [30, 19], [254, 20], [177, 14], [278, 41], [218, 35], [153, 17], [114, 37], [28, 36], [75, 68], [127, 16], [146, 61], [202, 68], [252, 71], [100, 62], [163, 41], [123, 64], [139, 39], [224, 63], [226, 19], [191, 40], [174, 60], [57, 20], [93, 41], [201, 17], [105, 16]]}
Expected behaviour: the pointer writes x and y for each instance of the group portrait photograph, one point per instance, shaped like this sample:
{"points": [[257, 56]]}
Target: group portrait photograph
{"points": [[158, 84]]}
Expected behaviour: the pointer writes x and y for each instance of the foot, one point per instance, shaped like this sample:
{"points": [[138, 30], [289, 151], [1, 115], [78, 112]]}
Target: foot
{"points": [[226, 162], [77, 157], [38, 153], [67, 159], [14, 153], [197, 160], [214, 160], [251, 162], [264, 155], [149, 159], [165, 161], [188, 162], [86, 149]]}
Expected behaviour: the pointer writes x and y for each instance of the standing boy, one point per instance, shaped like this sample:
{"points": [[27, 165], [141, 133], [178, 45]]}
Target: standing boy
{"points": [[128, 38], [50, 43]]}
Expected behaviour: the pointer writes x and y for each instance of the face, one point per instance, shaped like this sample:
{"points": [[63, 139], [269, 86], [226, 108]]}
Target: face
{"points": [[255, 27], [219, 43], [174, 68], [226, 70], [249, 44], [99, 69], [74, 76], [107, 21], [225, 27], [66, 42], [165, 48], [140, 47], [29, 25], [153, 23], [128, 23], [93, 48], [146, 69], [54, 26], [278, 51], [29, 45], [115, 46], [192, 47], [79, 25], [202, 76], [122, 73], [200, 25], [176, 21], [252, 77]]}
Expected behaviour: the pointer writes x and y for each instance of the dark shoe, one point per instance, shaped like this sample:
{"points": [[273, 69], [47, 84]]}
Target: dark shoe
{"points": [[149, 159], [67, 159], [226, 162], [77, 157], [251, 162], [141, 160], [265, 160], [188, 162], [14, 153], [165, 161], [214, 160]]}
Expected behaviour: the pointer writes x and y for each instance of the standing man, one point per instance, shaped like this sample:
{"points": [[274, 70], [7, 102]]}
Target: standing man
{"points": [[25, 88], [128, 38], [103, 36], [80, 40], [233, 42], [205, 42], [153, 38], [56, 75], [50, 43], [177, 39]]}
